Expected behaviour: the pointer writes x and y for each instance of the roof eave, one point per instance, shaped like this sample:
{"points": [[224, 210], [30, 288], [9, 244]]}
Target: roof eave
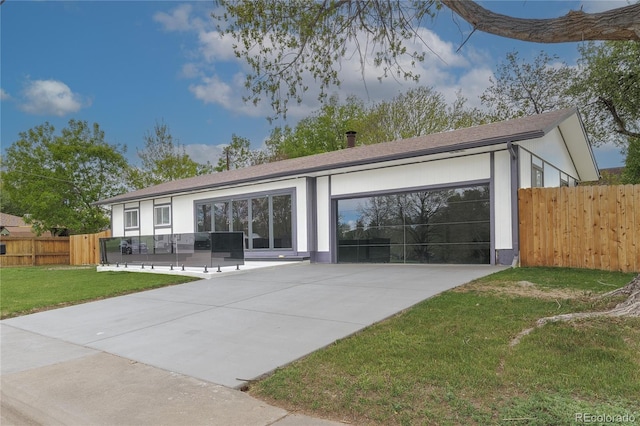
{"points": [[308, 170]]}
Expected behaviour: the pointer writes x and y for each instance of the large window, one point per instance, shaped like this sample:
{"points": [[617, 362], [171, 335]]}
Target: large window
{"points": [[281, 218], [240, 219], [447, 226], [260, 231], [220, 216], [203, 218], [265, 220], [131, 219]]}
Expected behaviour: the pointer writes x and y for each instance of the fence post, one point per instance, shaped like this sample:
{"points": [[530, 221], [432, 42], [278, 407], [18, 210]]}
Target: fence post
{"points": [[33, 252]]}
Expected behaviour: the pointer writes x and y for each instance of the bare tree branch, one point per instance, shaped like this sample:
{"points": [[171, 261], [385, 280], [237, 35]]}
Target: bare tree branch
{"points": [[616, 24]]}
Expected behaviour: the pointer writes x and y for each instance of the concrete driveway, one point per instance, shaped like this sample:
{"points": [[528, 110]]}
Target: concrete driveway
{"points": [[232, 328]]}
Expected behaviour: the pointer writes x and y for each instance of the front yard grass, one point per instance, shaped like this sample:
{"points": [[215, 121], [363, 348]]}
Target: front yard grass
{"points": [[32, 289], [448, 359]]}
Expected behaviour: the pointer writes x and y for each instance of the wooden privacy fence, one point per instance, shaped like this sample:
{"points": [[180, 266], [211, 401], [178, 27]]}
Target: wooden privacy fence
{"points": [[85, 248], [34, 251], [593, 227]]}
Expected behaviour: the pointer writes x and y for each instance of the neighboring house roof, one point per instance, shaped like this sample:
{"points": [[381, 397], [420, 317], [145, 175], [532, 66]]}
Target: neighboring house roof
{"points": [[520, 129], [15, 226], [7, 220]]}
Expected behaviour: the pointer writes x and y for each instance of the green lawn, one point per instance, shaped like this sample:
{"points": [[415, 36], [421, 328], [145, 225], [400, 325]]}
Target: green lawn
{"points": [[27, 290], [448, 359]]}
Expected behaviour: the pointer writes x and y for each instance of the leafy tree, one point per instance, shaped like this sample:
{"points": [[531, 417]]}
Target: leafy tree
{"points": [[285, 42], [461, 116], [323, 131], [272, 150], [417, 112], [237, 154], [608, 88], [6, 204], [163, 160], [56, 179], [520, 88], [607, 177], [631, 172]]}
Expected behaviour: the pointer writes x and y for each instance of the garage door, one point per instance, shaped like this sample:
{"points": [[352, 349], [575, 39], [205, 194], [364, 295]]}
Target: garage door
{"points": [[443, 226]]}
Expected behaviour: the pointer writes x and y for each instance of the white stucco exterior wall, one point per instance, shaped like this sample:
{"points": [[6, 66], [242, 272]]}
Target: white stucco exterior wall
{"points": [[424, 174], [146, 217], [182, 215], [117, 219], [502, 196], [553, 150], [524, 165]]}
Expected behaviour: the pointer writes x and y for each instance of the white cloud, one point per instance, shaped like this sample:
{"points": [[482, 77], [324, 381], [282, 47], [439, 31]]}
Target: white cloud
{"points": [[472, 84], [214, 47], [444, 68], [177, 20], [4, 96], [202, 153], [213, 90], [191, 70], [50, 97]]}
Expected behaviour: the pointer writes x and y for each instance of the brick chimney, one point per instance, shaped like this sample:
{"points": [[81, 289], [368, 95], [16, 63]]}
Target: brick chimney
{"points": [[351, 139]]}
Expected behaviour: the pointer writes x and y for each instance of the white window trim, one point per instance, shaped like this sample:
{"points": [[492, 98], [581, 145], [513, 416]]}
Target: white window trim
{"points": [[137, 216], [155, 215]]}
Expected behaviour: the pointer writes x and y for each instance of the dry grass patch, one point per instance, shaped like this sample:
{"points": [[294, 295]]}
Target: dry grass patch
{"points": [[523, 289]]}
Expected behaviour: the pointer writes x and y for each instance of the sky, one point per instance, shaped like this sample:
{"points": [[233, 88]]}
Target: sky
{"points": [[128, 65]]}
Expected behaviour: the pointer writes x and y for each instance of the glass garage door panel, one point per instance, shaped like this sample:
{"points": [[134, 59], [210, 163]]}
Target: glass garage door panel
{"points": [[446, 226]]}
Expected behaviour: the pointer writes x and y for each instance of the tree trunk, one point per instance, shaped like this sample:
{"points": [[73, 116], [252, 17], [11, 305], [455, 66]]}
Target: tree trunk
{"points": [[617, 24], [630, 307]]}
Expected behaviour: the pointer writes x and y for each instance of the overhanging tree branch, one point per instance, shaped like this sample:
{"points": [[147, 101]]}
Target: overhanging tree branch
{"points": [[616, 24], [620, 123]]}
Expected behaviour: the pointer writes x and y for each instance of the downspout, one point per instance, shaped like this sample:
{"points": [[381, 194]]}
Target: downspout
{"points": [[515, 178]]}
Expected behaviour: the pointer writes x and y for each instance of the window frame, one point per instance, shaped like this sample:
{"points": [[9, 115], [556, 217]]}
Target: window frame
{"points": [[155, 216], [128, 215], [248, 198], [537, 169]]}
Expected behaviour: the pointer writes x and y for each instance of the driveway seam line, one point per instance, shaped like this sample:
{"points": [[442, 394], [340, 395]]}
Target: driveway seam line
{"points": [[152, 325]]}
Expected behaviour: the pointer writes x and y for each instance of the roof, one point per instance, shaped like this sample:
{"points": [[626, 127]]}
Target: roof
{"points": [[515, 130], [15, 226], [9, 220]]}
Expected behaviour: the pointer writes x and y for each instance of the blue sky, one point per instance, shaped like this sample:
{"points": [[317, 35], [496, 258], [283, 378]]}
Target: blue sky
{"points": [[129, 64]]}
